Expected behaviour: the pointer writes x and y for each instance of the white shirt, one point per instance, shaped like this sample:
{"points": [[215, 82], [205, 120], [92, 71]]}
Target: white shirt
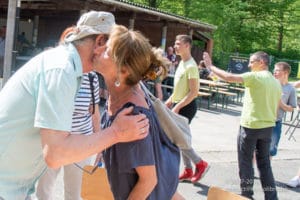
{"points": [[82, 118]]}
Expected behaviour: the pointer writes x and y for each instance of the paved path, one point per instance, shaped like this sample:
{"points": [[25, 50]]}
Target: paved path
{"points": [[214, 138]]}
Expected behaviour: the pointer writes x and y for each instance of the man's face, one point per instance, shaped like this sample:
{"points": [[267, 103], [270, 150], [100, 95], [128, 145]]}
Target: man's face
{"points": [[99, 47], [104, 63], [179, 47], [170, 50], [90, 52], [254, 63], [279, 73]]}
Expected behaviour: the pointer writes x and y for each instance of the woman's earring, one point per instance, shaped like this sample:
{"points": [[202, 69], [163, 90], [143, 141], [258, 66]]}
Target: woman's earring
{"points": [[117, 83]]}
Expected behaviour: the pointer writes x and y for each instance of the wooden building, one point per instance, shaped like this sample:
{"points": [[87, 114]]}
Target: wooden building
{"points": [[44, 20]]}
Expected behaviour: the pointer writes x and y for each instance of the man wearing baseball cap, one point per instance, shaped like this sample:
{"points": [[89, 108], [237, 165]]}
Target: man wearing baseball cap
{"points": [[36, 107]]}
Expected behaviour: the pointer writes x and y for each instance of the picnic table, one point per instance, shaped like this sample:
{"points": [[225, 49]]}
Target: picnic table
{"points": [[219, 88], [213, 83]]}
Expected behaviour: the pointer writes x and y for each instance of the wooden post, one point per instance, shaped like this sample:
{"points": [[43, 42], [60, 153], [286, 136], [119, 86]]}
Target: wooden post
{"points": [[9, 39], [35, 30], [164, 37], [191, 32], [85, 8], [131, 21], [209, 46], [131, 24], [81, 12]]}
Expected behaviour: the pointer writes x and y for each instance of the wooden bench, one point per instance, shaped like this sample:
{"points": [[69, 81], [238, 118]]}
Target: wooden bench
{"points": [[225, 97], [227, 93], [237, 88], [167, 86], [240, 91], [213, 89], [220, 92], [162, 85], [204, 94]]}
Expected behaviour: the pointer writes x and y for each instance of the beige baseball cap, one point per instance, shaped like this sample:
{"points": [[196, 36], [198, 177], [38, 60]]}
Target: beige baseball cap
{"points": [[92, 23]]}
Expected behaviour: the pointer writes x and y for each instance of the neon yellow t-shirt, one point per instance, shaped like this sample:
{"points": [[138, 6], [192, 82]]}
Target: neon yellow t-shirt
{"points": [[262, 95], [185, 71]]}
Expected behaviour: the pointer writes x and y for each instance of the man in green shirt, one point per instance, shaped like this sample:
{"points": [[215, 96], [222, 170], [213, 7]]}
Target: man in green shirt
{"points": [[261, 100]]}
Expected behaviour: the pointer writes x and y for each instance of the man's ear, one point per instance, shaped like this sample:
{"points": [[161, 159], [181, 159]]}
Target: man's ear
{"points": [[261, 62], [100, 40]]}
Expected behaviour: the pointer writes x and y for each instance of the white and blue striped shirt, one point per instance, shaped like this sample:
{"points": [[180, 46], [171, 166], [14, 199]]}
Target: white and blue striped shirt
{"points": [[82, 122]]}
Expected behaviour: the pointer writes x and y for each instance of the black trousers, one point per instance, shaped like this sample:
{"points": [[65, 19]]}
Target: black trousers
{"points": [[258, 141]]}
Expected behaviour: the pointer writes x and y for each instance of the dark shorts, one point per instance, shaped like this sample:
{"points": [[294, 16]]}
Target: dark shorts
{"points": [[189, 111]]}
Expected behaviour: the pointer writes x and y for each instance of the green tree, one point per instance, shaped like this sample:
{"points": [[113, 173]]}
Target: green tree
{"points": [[245, 26], [151, 3]]}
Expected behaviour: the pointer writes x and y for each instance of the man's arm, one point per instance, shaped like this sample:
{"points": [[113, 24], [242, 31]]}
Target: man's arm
{"points": [[229, 77], [291, 103], [285, 107], [168, 102], [158, 91], [191, 95], [96, 128], [296, 84], [61, 148]]}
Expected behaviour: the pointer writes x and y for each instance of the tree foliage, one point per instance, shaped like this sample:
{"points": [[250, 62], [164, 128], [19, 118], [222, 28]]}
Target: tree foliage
{"points": [[244, 26]]}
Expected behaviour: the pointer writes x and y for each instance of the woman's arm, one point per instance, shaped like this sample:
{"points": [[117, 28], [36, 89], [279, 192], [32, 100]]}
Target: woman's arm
{"points": [[145, 184], [96, 119]]}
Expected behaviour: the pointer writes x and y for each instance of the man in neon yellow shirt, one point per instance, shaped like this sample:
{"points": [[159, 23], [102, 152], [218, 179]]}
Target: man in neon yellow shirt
{"points": [[262, 96], [182, 101]]}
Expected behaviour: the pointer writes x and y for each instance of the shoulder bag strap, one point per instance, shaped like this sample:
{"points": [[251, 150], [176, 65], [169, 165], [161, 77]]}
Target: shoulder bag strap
{"points": [[147, 92], [91, 78]]}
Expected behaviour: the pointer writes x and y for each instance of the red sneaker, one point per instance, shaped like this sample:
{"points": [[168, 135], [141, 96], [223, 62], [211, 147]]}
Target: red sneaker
{"points": [[201, 169], [187, 174]]}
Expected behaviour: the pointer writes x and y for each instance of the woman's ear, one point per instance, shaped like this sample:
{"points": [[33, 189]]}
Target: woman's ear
{"points": [[124, 70]]}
